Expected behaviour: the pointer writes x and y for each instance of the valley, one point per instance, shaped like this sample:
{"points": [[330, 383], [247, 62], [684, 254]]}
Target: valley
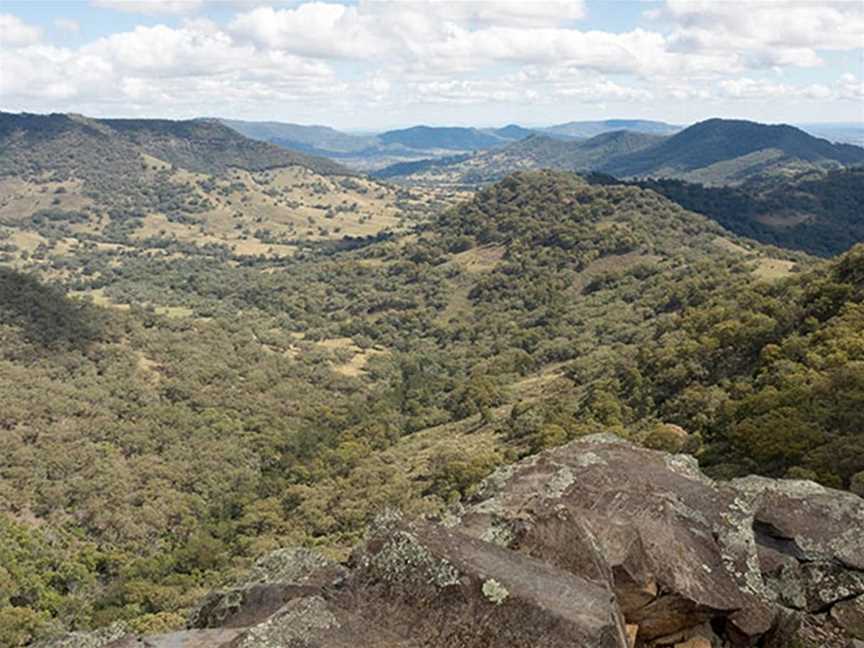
{"points": [[205, 359]]}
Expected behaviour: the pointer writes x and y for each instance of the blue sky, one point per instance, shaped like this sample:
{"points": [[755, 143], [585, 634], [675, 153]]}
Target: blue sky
{"points": [[379, 64]]}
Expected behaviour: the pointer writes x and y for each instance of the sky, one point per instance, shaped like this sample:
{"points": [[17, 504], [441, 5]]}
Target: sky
{"points": [[392, 63]]}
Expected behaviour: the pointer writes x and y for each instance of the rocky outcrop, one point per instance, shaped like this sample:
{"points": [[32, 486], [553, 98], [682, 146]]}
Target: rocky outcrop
{"points": [[596, 544], [682, 549]]}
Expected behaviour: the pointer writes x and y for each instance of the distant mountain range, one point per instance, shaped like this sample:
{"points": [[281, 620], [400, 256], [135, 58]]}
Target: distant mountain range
{"points": [[713, 152], [585, 129], [420, 144], [371, 152], [534, 152]]}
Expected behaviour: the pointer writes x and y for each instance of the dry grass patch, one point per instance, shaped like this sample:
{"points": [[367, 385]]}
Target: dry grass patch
{"points": [[773, 269], [356, 364], [784, 220], [611, 263], [19, 199], [479, 259], [731, 246]]}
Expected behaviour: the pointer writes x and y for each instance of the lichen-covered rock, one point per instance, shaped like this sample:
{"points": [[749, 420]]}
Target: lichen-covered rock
{"points": [[810, 541], [275, 579], [441, 588], [293, 565], [212, 638], [299, 624], [644, 521]]}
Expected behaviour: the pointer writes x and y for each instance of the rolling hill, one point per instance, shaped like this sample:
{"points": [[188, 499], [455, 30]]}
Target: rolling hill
{"points": [[586, 129], [820, 212], [372, 152], [32, 142], [721, 151], [194, 186], [512, 132], [319, 138], [431, 138]]}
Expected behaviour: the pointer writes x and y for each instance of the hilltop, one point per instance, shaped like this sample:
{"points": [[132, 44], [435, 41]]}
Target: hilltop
{"points": [[304, 138], [428, 137], [87, 147]]}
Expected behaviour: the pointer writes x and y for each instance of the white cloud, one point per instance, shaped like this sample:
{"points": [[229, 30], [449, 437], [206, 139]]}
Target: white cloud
{"points": [[190, 68], [465, 92], [14, 31], [150, 7], [312, 29], [747, 88], [324, 56], [851, 87], [768, 32], [449, 38], [482, 13]]}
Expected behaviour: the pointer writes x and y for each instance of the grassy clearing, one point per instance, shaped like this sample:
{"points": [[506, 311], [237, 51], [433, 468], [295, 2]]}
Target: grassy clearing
{"points": [[479, 259], [773, 269]]}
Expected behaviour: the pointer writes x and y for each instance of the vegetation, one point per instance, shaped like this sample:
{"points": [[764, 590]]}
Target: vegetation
{"points": [[771, 375], [172, 409], [427, 137]]}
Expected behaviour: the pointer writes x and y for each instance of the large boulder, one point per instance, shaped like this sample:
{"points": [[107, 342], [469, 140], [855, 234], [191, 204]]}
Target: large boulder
{"points": [[677, 548], [442, 588]]}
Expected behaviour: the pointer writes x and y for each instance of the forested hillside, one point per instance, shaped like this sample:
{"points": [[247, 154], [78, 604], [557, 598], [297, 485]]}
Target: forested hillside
{"points": [[151, 450], [819, 212], [594, 128]]}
